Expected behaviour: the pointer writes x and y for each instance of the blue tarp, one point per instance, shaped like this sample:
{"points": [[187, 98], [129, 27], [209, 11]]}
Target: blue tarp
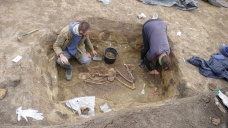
{"points": [[182, 4]]}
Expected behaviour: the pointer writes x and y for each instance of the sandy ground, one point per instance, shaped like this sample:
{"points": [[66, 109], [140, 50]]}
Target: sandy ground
{"points": [[37, 82]]}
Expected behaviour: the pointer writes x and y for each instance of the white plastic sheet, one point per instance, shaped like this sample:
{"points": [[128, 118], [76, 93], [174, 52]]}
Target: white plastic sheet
{"points": [[105, 1], [17, 58], [82, 102], [141, 15], [105, 108], [179, 33], [155, 16]]}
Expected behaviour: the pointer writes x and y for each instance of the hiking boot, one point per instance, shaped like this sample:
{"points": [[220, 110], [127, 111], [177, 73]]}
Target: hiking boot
{"points": [[68, 74], [142, 65]]}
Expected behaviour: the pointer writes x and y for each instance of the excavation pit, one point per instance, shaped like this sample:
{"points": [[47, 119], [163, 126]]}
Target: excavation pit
{"points": [[123, 92]]}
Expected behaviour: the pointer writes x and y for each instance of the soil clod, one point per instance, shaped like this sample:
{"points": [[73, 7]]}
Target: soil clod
{"points": [[110, 55]]}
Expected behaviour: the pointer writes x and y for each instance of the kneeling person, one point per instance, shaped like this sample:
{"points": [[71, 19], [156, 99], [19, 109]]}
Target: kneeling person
{"points": [[155, 46], [70, 43]]}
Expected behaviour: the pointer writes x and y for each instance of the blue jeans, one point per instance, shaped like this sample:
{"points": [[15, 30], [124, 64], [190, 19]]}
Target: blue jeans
{"points": [[84, 60]]}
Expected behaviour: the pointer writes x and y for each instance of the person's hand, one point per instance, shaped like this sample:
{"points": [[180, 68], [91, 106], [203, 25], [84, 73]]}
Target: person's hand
{"points": [[63, 59], [154, 72], [94, 53]]}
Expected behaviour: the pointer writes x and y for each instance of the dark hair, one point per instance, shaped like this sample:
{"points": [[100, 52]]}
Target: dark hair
{"points": [[84, 26], [166, 63]]}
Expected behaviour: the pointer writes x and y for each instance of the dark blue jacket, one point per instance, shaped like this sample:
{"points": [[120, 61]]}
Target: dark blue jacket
{"points": [[214, 68]]}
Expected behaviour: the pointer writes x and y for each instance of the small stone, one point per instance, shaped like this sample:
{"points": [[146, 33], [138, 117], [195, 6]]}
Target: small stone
{"points": [[212, 87], [14, 81], [82, 76], [215, 121], [2, 93], [206, 99]]}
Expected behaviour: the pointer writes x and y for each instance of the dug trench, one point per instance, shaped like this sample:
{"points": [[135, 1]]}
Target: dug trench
{"points": [[90, 80]]}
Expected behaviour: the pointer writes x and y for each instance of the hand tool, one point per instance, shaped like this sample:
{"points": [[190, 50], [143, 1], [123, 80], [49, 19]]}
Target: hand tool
{"points": [[26, 34]]}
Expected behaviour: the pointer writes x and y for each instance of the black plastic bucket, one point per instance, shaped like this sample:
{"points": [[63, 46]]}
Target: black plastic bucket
{"points": [[107, 59]]}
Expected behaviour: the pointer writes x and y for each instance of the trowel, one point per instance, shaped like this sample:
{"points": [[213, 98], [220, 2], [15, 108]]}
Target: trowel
{"points": [[143, 90], [25, 34], [96, 58]]}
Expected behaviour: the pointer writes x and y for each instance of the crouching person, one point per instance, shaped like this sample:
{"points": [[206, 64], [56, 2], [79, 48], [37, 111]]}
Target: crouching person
{"points": [[155, 46], [70, 43]]}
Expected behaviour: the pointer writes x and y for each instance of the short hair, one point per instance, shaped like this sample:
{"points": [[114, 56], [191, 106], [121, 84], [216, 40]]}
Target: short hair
{"points": [[84, 26], [166, 62]]}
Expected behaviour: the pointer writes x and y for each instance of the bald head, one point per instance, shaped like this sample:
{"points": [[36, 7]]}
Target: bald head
{"points": [[84, 28]]}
